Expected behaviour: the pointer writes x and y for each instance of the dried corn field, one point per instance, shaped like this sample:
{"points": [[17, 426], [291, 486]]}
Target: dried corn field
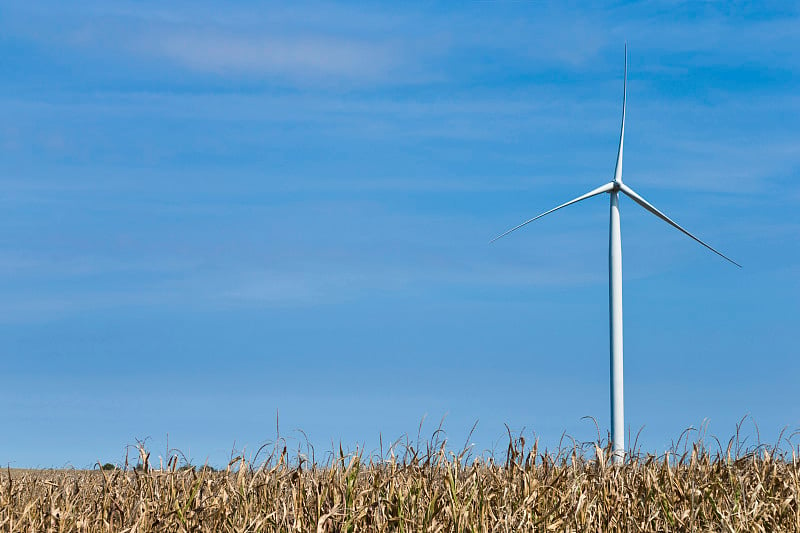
{"points": [[432, 490]]}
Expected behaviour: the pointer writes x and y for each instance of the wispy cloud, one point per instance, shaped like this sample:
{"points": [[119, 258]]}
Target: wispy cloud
{"points": [[714, 167], [302, 58], [276, 288]]}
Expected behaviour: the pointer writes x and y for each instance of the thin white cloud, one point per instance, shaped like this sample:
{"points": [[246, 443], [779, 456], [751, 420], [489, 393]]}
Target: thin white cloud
{"points": [[295, 57], [733, 167]]}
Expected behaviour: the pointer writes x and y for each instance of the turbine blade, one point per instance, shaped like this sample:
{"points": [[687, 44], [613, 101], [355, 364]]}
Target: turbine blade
{"points": [[647, 205], [604, 188], [618, 167]]}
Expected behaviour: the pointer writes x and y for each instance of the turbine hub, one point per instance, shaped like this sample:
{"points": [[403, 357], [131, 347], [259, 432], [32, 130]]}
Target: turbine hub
{"points": [[616, 186]]}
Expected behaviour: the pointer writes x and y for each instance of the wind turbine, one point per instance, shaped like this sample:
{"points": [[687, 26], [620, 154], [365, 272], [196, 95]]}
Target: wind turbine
{"points": [[613, 188]]}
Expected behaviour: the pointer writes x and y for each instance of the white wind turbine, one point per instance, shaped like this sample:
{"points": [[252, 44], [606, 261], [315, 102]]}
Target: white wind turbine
{"points": [[615, 276]]}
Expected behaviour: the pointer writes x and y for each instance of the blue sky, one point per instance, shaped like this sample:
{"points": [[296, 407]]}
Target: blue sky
{"points": [[214, 215]]}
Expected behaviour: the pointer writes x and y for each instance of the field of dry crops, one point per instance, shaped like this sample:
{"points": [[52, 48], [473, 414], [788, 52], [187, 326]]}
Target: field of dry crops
{"points": [[428, 490]]}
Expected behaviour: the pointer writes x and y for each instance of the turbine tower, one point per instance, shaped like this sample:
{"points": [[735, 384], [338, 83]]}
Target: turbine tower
{"points": [[613, 188]]}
